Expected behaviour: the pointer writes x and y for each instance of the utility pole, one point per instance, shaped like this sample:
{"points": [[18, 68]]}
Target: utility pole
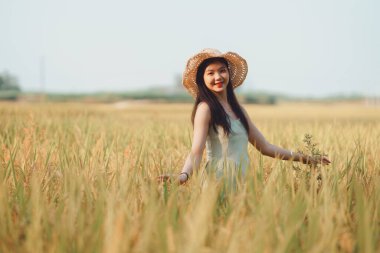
{"points": [[42, 78]]}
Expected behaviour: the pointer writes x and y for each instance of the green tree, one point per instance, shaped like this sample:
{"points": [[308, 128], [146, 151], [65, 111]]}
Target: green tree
{"points": [[8, 82]]}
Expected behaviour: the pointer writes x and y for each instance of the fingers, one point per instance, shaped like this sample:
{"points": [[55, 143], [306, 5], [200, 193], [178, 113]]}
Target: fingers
{"points": [[315, 160], [164, 178], [325, 161], [170, 178]]}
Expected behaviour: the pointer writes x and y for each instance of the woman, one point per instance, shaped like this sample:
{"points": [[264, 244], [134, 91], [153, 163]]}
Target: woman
{"points": [[220, 123]]}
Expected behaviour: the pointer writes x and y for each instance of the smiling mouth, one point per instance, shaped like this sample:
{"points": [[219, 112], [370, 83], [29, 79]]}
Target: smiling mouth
{"points": [[219, 85]]}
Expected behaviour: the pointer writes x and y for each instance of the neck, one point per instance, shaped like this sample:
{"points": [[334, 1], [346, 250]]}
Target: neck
{"points": [[222, 97]]}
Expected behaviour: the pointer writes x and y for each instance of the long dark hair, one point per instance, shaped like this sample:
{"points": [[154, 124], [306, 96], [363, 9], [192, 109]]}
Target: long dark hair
{"points": [[218, 115]]}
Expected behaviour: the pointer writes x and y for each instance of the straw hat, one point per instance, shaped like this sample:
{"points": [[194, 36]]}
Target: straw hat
{"points": [[238, 68]]}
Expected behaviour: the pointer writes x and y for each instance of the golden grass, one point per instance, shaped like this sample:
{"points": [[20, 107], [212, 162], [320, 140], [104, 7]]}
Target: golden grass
{"points": [[81, 178]]}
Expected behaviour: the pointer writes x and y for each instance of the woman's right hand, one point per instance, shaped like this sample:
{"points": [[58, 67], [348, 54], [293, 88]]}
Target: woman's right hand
{"points": [[181, 178]]}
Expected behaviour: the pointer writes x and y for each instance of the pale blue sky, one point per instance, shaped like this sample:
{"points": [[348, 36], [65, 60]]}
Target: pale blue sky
{"points": [[294, 47]]}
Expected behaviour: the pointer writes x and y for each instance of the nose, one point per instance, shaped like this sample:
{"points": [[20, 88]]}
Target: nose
{"points": [[218, 76]]}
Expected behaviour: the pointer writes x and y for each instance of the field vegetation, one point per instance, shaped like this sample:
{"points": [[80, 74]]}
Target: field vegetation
{"points": [[82, 178]]}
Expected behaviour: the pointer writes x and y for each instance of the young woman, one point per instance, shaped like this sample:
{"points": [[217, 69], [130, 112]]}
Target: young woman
{"points": [[220, 123]]}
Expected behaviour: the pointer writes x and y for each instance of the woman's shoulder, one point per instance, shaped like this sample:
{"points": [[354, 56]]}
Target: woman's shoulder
{"points": [[203, 106], [203, 110]]}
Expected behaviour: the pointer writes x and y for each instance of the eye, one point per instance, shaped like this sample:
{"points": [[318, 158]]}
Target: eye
{"points": [[223, 70]]}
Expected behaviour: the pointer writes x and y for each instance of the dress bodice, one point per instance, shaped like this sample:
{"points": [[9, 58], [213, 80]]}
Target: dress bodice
{"points": [[222, 149]]}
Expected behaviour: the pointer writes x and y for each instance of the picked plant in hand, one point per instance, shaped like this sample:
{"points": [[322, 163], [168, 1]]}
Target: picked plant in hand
{"points": [[314, 165]]}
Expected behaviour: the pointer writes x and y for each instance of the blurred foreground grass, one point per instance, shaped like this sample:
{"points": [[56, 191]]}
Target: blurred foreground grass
{"points": [[81, 178]]}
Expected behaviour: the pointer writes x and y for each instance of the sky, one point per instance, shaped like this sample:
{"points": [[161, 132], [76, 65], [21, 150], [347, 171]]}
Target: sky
{"points": [[295, 47]]}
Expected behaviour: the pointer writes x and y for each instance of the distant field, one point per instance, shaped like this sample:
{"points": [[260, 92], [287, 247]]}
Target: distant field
{"points": [[80, 177]]}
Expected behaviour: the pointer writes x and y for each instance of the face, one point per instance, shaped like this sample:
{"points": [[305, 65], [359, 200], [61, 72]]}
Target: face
{"points": [[216, 77]]}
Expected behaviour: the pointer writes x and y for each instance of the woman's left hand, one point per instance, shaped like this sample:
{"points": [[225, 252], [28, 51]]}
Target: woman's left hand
{"points": [[314, 160]]}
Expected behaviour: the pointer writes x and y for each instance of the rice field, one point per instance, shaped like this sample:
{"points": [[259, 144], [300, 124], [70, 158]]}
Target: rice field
{"points": [[82, 178]]}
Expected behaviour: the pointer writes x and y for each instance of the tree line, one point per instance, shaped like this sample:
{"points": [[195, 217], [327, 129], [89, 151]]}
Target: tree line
{"points": [[9, 82]]}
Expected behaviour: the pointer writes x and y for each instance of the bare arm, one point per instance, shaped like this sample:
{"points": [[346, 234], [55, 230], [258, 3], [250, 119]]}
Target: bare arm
{"points": [[257, 139], [201, 125]]}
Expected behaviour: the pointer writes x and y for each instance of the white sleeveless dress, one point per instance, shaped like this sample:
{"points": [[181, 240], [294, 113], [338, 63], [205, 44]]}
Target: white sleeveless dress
{"points": [[227, 154]]}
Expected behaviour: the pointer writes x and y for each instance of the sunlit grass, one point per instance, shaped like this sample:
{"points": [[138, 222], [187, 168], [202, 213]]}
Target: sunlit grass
{"points": [[81, 178]]}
